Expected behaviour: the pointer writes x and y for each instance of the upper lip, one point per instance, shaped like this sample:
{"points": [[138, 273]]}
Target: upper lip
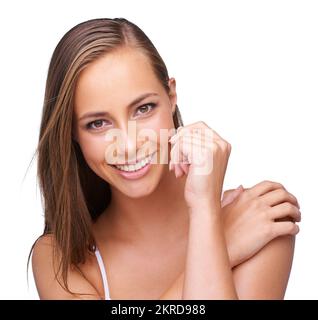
{"points": [[127, 164]]}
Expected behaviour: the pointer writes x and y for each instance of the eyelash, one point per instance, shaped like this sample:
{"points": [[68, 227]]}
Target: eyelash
{"points": [[89, 125]]}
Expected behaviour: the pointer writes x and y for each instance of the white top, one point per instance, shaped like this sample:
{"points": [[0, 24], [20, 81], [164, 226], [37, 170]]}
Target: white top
{"points": [[103, 272]]}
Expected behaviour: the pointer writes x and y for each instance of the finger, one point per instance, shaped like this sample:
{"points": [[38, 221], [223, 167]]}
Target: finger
{"points": [[183, 152], [177, 133], [202, 128], [264, 187], [178, 171], [237, 191], [175, 159], [227, 199], [284, 228], [285, 210], [195, 133], [171, 166], [230, 195], [192, 153], [176, 154], [193, 140], [185, 167], [171, 161], [226, 193], [190, 145], [278, 196]]}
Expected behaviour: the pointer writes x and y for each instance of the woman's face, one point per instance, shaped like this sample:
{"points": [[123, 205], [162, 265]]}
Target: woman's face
{"points": [[108, 86]]}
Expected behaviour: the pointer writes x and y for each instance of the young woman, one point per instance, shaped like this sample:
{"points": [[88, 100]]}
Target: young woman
{"points": [[160, 231]]}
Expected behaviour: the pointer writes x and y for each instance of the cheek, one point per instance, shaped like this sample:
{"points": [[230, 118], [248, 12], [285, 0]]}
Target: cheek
{"points": [[161, 125], [93, 148], [162, 120]]}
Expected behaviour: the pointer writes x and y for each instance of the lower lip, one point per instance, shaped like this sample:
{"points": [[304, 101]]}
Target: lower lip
{"points": [[135, 174]]}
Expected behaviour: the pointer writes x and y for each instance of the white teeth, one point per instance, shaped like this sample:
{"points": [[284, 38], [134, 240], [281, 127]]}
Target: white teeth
{"points": [[134, 167]]}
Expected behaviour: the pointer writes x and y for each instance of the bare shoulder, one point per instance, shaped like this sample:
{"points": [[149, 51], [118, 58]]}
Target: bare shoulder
{"points": [[266, 274], [44, 275]]}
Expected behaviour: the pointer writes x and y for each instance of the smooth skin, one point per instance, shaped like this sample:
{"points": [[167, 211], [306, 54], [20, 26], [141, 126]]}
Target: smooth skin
{"points": [[153, 217]]}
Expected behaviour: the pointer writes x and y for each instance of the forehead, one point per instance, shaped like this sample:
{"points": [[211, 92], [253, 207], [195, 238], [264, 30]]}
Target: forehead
{"points": [[114, 80]]}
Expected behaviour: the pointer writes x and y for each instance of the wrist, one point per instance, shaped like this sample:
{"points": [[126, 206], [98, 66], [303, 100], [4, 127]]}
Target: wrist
{"points": [[206, 204], [205, 209]]}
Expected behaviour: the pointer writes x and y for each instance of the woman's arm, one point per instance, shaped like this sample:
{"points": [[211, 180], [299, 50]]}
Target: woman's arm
{"points": [[208, 273], [277, 250], [44, 276], [263, 276]]}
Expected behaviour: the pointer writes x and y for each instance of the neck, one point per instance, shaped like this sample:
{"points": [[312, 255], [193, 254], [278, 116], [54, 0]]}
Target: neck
{"points": [[161, 216]]}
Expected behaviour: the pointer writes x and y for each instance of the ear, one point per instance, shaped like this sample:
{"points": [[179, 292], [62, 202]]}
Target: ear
{"points": [[172, 93]]}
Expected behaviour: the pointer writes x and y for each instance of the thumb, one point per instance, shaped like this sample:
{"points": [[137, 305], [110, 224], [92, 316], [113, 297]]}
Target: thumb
{"points": [[230, 195]]}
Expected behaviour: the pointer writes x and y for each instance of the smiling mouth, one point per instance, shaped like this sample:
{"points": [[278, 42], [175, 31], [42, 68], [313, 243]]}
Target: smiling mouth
{"points": [[134, 167]]}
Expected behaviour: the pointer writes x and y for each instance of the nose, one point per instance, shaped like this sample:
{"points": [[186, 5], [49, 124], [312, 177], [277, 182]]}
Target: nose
{"points": [[128, 148], [125, 143]]}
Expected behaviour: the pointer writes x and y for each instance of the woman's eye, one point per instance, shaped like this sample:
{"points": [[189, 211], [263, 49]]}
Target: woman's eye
{"points": [[95, 125], [98, 124], [144, 109]]}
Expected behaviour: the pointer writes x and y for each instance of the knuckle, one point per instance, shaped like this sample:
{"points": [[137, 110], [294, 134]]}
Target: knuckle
{"points": [[254, 203], [267, 214], [223, 145], [293, 197], [200, 123], [281, 193], [273, 184], [289, 207], [215, 147], [277, 185]]}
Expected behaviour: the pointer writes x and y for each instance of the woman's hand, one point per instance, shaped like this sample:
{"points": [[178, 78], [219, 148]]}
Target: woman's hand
{"points": [[200, 153], [253, 217]]}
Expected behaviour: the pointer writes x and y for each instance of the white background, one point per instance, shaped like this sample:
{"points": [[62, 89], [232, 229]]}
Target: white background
{"points": [[249, 69]]}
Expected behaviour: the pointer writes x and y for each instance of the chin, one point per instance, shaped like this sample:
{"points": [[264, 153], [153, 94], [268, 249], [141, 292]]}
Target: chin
{"points": [[137, 190], [140, 193]]}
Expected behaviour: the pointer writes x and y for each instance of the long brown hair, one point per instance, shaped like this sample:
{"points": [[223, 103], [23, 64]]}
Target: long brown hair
{"points": [[72, 195]]}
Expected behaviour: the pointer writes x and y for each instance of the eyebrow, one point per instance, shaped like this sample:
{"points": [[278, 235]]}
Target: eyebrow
{"points": [[105, 113]]}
